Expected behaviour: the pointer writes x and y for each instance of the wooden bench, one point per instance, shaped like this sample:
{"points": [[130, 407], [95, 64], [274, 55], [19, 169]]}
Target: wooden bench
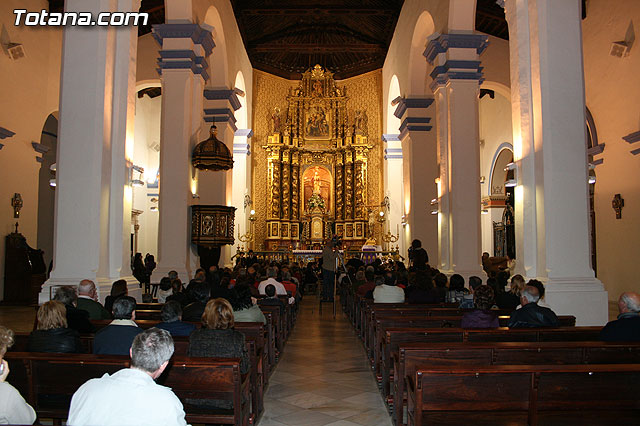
{"points": [[393, 337], [524, 394], [48, 381], [411, 357]]}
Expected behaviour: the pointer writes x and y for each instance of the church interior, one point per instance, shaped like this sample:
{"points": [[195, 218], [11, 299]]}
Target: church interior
{"points": [[220, 130]]}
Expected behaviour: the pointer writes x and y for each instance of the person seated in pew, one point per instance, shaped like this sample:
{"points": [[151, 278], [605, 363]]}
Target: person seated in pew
{"points": [[457, 289], [76, 318], [52, 333], [468, 299], [88, 301], [13, 408], [218, 339], [171, 315], [116, 338], [131, 396], [482, 316], [531, 314], [511, 299], [388, 292], [118, 289], [178, 294], [244, 310], [272, 299], [199, 292], [165, 289], [370, 284], [222, 289], [423, 290], [627, 327], [272, 273], [440, 280]]}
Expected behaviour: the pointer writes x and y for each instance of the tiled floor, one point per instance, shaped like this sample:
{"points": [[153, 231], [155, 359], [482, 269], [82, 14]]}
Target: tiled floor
{"points": [[323, 377]]}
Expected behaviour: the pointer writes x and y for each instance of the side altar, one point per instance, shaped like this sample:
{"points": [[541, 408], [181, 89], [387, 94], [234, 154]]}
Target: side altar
{"points": [[317, 162]]}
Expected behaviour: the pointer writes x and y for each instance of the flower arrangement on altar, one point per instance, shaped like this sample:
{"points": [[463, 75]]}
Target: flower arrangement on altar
{"points": [[316, 201]]}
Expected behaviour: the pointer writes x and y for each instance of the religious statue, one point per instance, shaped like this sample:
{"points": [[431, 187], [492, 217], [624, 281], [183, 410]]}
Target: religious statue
{"points": [[317, 88], [316, 183], [277, 121], [360, 122]]}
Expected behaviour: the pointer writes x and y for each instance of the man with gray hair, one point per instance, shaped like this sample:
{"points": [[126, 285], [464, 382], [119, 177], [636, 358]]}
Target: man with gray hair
{"points": [[627, 327], [530, 314], [77, 319], [116, 338], [131, 396], [272, 273], [88, 301]]}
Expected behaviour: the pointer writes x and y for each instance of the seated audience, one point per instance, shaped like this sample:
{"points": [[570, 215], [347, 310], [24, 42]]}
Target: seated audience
{"points": [[199, 292], [221, 289], [88, 301], [52, 333], [288, 284], [423, 290], [131, 396], [440, 280], [116, 338], [511, 298], [468, 299], [531, 314], [243, 308], [272, 299], [172, 320], [369, 285], [360, 279], [77, 319], [482, 316], [627, 327], [118, 289], [456, 289], [178, 293], [272, 273], [218, 339], [14, 410], [165, 289], [388, 292]]}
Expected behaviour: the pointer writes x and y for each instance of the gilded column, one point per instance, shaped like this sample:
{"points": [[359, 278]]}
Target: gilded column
{"points": [[360, 178], [348, 186], [339, 186], [274, 184], [286, 184], [295, 185]]}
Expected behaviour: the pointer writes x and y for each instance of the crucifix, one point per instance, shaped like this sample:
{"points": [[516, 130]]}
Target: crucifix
{"points": [[617, 203]]}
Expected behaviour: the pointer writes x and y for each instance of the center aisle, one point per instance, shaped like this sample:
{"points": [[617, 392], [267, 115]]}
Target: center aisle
{"points": [[323, 377]]}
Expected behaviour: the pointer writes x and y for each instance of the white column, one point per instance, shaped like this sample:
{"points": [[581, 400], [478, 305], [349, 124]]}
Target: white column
{"points": [[241, 181], [420, 170], [457, 74], [91, 176], [393, 189], [550, 150], [184, 70]]}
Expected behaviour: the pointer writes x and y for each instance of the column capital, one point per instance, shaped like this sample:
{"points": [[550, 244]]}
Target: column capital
{"points": [[6, 133], [223, 93], [191, 56], [198, 34], [244, 132], [412, 111], [411, 103], [444, 42], [220, 105]]}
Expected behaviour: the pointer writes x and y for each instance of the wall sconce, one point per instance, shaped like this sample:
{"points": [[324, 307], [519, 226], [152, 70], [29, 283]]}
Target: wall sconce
{"points": [[137, 182], [403, 221], [592, 179], [511, 183], [510, 166], [484, 211], [52, 182], [153, 208]]}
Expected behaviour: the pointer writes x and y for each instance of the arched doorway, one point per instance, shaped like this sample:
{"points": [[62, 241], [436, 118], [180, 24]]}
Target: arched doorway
{"points": [[46, 187], [501, 203]]}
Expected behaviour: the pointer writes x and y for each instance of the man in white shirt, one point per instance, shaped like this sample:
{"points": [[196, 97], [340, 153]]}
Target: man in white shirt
{"points": [[388, 292], [272, 273], [131, 396]]}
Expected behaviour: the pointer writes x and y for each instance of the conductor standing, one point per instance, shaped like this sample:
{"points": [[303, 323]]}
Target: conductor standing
{"points": [[329, 256]]}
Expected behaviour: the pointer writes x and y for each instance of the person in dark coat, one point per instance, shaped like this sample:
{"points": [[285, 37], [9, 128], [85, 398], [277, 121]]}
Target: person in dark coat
{"points": [[423, 290], [272, 299], [118, 289], [77, 319], [627, 327], [199, 292], [52, 333], [418, 256], [482, 316], [218, 339], [511, 299], [139, 270], [531, 314], [116, 338], [172, 320], [88, 301]]}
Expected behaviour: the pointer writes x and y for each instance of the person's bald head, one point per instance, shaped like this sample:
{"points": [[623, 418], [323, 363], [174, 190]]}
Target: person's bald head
{"points": [[530, 294], [87, 288], [629, 302]]}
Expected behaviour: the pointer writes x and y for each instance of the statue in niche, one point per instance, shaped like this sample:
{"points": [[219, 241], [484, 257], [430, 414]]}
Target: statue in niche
{"points": [[277, 120], [316, 183], [361, 122], [317, 88]]}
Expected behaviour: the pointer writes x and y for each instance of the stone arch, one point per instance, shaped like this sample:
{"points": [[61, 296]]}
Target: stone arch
{"points": [[46, 191], [241, 115], [497, 87], [393, 122], [218, 62], [502, 156], [417, 62]]}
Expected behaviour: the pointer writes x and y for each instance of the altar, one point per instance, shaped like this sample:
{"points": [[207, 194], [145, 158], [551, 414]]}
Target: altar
{"points": [[317, 167]]}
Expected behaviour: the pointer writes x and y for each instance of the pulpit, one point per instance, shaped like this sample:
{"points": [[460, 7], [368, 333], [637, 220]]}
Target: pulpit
{"points": [[24, 270]]}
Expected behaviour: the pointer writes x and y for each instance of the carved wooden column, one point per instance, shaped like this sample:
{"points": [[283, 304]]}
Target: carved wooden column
{"points": [[348, 186], [295, 185], [360, 172], [274, 184], [339, 186], [286, 184]]}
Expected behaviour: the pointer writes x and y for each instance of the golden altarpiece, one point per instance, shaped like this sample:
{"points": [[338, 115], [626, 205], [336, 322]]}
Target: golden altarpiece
{"points": [[317, 158]]}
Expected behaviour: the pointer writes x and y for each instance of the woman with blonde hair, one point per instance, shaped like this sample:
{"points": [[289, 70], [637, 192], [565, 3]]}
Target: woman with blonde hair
{"points": [[13, 408], [511, 299], [52, 333], [218, 339]]}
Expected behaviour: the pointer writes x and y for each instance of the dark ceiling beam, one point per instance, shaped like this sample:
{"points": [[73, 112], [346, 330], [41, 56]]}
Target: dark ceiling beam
{"points": [[318, 48], [303, 11]]}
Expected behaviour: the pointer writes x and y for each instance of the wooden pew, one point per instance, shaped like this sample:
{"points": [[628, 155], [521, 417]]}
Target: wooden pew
{"points": [[48, 381], [412, 356], [393, 337], [524, 394]]}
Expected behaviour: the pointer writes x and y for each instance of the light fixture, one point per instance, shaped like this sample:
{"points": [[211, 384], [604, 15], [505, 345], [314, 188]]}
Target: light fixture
{"points": [[252, 212], [434, 202], [154, 200], [403, 221], [592, 179], [511, 183], [434, 211], [381, 214], [138, 169], [54, 167], [137, 182], [52, 182], [484, 211], [153, 208], [510, 166]]}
